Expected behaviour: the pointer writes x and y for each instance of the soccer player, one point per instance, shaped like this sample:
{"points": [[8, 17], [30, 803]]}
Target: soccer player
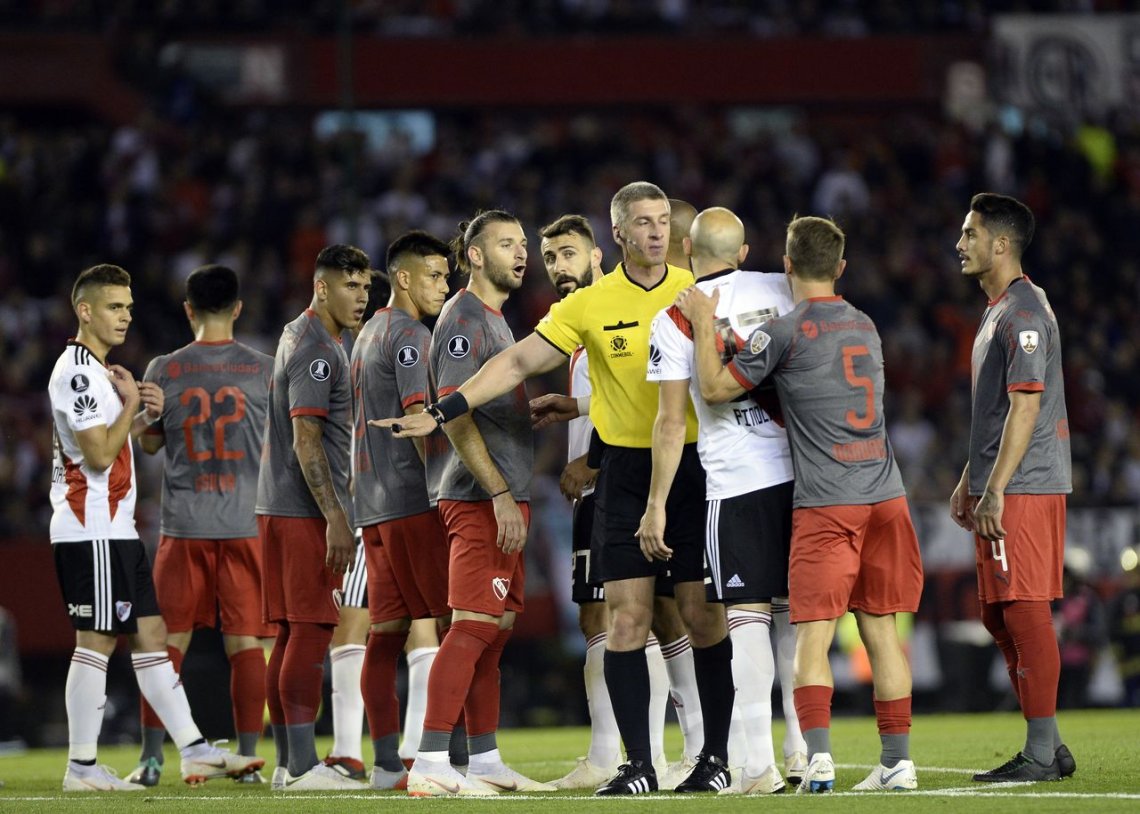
{"points": [[103, 571], [481, 486], [216, 393], [405, 541], [1012, 491], [853, 543], [748, 464], [305, 510], [681, 216], [611, 319]]}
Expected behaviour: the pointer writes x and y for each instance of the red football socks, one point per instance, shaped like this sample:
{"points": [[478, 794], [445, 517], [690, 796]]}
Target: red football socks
{"points": [[453, 671], [378, 682], [247, 689]]}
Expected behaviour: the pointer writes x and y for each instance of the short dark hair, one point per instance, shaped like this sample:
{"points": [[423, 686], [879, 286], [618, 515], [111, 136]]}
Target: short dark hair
{"points": [[97, 276], [630, 194], [1004, 215], [212, 289], [815, 247], [416, 243], [569, 225], [342, 257], [471, 230]]}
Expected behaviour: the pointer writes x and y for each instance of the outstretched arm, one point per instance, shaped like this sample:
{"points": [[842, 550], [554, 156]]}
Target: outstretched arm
{"points": [[502, 373]]}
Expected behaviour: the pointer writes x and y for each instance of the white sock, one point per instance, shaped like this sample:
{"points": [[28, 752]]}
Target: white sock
{"points": [[420, 660], [347, 700], [658, 697], [85, 698], [683, 689], [753, 671], [785, 664], [605, 740], [737, 741], [162, 688], [485, 760]]}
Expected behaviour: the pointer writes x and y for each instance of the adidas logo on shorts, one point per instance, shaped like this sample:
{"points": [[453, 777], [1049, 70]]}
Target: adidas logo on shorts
{"points": [[734, 582]]}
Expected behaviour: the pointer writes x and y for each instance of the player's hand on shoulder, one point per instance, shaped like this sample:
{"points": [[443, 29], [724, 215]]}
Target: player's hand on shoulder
{"points": [[124, 383], [696, 305], [407, 426], [651, 534], [552, 408], [511, 535]]}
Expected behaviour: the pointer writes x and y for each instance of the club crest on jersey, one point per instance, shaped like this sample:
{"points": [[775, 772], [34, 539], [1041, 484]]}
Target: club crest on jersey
{"points": [[809, 329], [173, 369], [123, 611], [320, 370], [500, 587], [759, 341], [459, 346], [85, 407], [80, 383], [1028, 340], [408, 356]]}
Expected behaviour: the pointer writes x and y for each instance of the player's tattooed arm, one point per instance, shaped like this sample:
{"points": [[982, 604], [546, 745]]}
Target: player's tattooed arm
{"points": [[472, 450], [307, 432]]}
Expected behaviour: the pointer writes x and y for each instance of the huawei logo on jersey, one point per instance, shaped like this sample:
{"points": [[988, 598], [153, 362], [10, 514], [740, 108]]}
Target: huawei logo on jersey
{"points": [[500, 587], [84, 407], [654, 355]]}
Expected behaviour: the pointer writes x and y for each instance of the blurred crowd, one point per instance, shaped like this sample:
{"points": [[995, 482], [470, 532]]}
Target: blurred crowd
{"points": [[262, 192], [440, 18]]}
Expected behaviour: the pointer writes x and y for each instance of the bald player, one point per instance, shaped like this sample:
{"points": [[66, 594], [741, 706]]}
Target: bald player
{"points": [[748, 467], [681, 215]]}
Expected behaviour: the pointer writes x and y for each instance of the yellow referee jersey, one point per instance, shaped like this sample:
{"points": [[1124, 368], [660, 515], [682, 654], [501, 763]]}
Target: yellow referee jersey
{"points": [[611, 318]]}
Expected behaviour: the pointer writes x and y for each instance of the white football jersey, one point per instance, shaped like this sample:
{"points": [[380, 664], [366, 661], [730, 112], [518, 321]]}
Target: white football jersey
{"points": [[580, 428], [87, 505], [742, 448]]}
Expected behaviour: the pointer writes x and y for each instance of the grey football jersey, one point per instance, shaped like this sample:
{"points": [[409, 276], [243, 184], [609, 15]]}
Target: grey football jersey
{"points": [[213, 420], [310, 378], [827, 361], [1018, 348], [389, 375], [467, 334]]}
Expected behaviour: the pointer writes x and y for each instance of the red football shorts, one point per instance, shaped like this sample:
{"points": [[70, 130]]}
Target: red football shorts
{"points": [[296, 585], [198, 580], [862, 557], [407, 568], [1027, 564], [480, 577]]}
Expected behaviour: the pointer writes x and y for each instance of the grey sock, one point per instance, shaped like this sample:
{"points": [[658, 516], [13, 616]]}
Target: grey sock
{"points": [[152, 739], [1057, 742], [386, 750], [435, 741], [895, 748], [281, 741], [247, 743], [482, 743], [1039, 740], [302, 748], [818, 740]]}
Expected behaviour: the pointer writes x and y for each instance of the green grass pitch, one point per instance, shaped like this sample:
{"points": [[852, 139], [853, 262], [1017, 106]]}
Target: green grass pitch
{"points": [[946, 749]]}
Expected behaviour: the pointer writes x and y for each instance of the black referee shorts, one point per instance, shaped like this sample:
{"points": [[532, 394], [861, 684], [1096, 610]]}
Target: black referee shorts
{"points": [[621, 493]]}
